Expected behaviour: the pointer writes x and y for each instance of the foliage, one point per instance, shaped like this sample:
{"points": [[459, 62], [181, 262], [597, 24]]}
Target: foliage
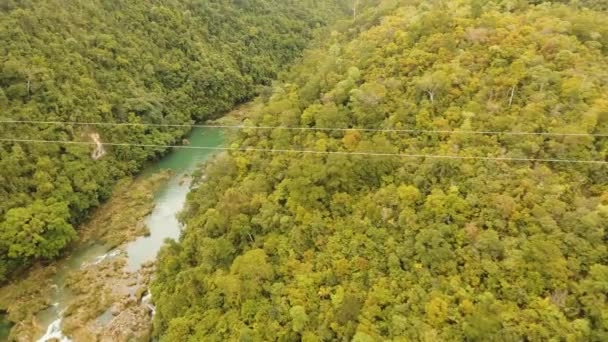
{"points": [[38, 230], [127, 61], [334, 247]]}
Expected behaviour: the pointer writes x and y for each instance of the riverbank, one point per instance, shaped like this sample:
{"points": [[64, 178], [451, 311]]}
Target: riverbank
{"points": [[107, 304], [99, 291], [116, 222]]}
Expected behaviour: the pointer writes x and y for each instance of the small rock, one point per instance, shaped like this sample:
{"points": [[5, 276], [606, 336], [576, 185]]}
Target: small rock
{"points": [[115, 310]]}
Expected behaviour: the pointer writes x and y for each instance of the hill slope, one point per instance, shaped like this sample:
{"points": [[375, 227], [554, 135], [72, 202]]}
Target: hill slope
{"points": [[334, 247], [142, 61]]}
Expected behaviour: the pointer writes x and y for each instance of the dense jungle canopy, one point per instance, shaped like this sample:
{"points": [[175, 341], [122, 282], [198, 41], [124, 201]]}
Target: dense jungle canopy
{"points": [[126, 61], [326, 247], [332, 245]]}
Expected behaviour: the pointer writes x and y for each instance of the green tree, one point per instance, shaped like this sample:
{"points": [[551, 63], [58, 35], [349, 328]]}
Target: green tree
{"points": [[39, 230], [299, 318]]}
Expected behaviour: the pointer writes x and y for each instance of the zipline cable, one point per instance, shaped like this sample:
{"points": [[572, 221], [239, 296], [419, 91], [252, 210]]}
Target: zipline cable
{"points": [[253, 149], [325, 129]]}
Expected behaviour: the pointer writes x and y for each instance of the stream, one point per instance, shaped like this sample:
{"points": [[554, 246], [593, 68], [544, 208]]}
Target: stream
{"points": [[162, 224]]}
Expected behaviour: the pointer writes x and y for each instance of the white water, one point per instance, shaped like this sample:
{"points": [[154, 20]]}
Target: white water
{"points": [[52, 316], [111, 254], [147, 299], [54, 333]]}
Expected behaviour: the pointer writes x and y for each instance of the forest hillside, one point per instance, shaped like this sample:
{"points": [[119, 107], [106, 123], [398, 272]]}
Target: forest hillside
{"points": [[129, 62], [332, 246]]}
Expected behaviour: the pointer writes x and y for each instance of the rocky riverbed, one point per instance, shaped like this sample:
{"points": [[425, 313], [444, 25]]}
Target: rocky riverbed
{"points": [[99, 290], [120, 310], [90, 287]]}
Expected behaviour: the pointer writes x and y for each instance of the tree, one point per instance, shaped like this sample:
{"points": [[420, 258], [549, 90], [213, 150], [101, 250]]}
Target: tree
{"points": [[299, 318], [39, 230], [433, 84], [367, 104]]}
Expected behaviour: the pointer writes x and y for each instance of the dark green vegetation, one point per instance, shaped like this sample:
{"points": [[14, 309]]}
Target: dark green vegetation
{"points": [[136, 61], [295, 247]]}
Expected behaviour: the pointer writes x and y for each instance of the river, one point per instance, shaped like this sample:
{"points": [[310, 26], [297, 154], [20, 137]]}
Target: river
{"points": [[162, 224]]}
